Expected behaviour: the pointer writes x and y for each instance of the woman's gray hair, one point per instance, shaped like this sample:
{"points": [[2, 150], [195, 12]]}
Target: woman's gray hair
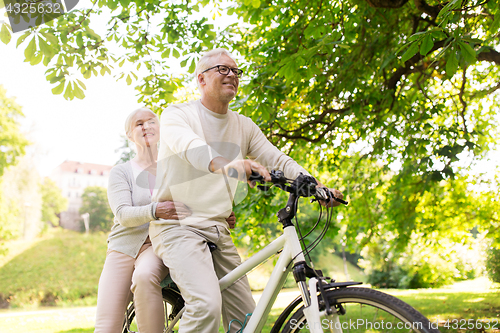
{"points": [[128, 121], [204, 62]]}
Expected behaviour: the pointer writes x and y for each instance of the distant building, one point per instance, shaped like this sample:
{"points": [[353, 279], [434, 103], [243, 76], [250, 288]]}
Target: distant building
{"points": [[72, 178]]}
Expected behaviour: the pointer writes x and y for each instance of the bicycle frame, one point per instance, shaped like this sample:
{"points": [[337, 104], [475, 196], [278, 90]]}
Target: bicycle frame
{"points": [[303, 186], [292, 251]]}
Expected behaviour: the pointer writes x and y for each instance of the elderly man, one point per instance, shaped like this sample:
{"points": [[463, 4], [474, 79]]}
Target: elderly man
{"points": [[200, 141]]}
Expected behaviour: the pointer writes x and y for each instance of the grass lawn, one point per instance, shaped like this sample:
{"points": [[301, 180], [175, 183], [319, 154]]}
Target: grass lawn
{"points": [[476, 300], [61, 268]]}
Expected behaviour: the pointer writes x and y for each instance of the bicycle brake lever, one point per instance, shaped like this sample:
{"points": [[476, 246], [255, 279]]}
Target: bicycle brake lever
{"points": [[325, 194]]}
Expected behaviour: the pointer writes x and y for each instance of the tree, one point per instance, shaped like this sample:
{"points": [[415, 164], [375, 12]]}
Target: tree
{"points": [[12, 141], [53, 202], [126, 151], [95, 202], [382, 98], [22, 201], [12, 147]]}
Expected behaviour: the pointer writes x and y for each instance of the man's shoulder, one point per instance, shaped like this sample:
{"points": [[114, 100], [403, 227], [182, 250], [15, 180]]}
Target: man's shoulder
{"points": [[239, 116], [181, 107]]}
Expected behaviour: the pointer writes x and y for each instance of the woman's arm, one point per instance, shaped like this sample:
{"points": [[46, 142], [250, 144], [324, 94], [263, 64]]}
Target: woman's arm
{"points": [[120, 200]]}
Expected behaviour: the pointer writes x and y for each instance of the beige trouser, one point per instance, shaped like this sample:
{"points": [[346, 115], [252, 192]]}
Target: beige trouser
{"points": [[121, 275], [196, 272]]}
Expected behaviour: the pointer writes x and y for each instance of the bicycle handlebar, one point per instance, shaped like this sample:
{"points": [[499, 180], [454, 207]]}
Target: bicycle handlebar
{"points": [[303, 185]]}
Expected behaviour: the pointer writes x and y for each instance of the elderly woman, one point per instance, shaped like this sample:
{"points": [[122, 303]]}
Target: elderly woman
{"points": [[131, 264]]}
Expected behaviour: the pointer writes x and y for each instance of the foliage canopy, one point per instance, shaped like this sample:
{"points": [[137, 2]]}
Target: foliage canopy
{"points": [[379, 98]]}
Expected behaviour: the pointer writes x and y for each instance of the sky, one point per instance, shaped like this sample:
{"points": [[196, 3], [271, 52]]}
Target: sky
{"points": [[85, 130]]}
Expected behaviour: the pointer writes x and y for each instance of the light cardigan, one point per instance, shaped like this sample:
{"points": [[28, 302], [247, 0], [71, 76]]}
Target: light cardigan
{"points": [[130, 200]]}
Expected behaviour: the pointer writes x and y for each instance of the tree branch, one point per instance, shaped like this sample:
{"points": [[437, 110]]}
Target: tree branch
{"points": [[490, 56], [387, 3], [432, 11], [393, 81]]}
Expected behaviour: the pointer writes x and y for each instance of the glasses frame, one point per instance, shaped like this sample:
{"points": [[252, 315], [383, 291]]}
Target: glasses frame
{"points": [[236, 71]]}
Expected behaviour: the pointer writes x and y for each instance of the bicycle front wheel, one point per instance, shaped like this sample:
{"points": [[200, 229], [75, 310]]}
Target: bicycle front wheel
{"points": [[362, 310]]}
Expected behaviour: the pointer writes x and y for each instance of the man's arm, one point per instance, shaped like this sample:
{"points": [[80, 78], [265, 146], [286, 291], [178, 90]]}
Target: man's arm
{"points": [[178, 134]]}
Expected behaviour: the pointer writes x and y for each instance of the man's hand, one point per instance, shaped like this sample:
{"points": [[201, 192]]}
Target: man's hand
{"points": [[231, 220], [243, 167], [332, 203], [336, 194], [169, 210]]}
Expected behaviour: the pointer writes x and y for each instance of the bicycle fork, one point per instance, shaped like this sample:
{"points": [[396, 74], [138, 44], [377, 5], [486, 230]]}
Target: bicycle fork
{"points": [[315, 317]]}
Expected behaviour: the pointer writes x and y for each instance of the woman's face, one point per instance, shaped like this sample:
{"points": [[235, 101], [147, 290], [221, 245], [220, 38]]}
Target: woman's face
{"points": [[145, 130]]}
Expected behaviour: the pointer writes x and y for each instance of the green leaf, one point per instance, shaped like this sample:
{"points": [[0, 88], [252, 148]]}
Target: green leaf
{"points": [[175, 53], [412, 50], [22, 38], [427, 44], [29, 52], [496, 22], [50, 38], [192, 67], [129, 80], [59, 89], [256, 3], [5, 35], [81, 84], [68, 94], [78, 92], [451, 64], [467, 52], [79, 40], [45, 48], [165, 53], [36, 59]]}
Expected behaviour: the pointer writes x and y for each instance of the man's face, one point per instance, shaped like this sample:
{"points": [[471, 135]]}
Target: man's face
{"points": [[222, 88]]}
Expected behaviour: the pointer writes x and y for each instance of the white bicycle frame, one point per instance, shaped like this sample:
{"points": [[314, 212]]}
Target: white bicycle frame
{"points": [[292, 250]]}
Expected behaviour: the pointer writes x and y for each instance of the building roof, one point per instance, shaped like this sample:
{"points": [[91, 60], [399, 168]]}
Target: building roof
{"points": [[84, 168]]}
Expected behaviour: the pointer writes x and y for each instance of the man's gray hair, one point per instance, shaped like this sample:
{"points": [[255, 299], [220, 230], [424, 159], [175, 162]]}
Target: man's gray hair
{"points": [[204, 62], [128, 121]]}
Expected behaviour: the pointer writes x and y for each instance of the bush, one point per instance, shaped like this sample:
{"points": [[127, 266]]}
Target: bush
{"points": [[416, 266], [493, 264]]}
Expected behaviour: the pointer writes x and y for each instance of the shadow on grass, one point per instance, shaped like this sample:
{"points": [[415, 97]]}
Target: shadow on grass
{"points": [[79, 330]]}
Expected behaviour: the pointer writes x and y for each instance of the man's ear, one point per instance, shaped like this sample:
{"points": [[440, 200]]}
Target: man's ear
{"points": [[201, 79]]}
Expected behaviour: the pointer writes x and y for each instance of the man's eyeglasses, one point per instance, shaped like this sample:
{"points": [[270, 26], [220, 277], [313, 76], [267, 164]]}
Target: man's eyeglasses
{"points": [[224, 70]]}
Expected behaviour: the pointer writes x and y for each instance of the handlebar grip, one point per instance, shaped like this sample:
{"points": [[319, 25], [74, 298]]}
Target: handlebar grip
{"points": [[255, 176], [340, 200]]}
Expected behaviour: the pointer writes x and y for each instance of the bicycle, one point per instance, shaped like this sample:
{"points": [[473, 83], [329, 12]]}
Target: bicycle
{"points": [[322, 305]]}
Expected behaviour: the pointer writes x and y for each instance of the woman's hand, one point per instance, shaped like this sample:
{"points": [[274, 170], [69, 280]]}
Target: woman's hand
{"points": [[170, 210], [231, 220]]}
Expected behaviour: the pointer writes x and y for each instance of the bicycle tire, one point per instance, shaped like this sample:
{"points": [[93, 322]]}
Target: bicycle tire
{"points": [[172, 301], [366, 310], [129, 317]]}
